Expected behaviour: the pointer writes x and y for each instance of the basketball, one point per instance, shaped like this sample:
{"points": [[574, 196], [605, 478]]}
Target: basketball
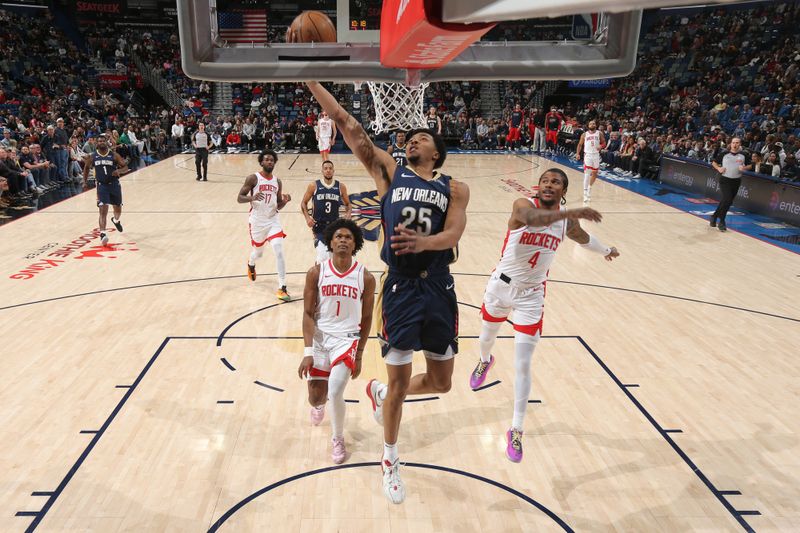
{"points": [[313, 27]]}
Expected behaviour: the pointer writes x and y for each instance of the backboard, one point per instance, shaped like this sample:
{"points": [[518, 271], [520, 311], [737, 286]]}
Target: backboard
{"points": [[605, 49], [214, 47]]}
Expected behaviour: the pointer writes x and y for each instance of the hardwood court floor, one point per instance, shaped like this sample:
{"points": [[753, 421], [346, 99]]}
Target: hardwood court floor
{"points": [[153, 387]]}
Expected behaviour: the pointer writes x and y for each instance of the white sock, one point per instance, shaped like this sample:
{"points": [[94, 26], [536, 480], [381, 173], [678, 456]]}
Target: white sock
{"points": [[277, 247], [487, 337], [390, 452], [255, 253], [337, 381], [523, 353], [587, 177]]}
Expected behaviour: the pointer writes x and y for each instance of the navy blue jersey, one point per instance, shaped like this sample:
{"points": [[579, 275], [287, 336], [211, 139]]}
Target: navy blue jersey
{"points": [[516, 118], [433, 123], [326, 203], [418, 204], [104, 165], [399, 155]]}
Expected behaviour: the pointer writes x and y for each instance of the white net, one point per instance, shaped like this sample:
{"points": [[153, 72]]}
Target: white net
{"points": [[397, 106]]}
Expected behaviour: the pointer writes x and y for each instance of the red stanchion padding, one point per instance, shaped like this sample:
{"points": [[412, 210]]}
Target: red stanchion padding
{"points": [[413, 35]]}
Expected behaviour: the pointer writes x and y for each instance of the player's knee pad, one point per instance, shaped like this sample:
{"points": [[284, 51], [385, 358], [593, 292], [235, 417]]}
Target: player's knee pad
{"points": [[524, 338], [337, 381], [277, 247]]}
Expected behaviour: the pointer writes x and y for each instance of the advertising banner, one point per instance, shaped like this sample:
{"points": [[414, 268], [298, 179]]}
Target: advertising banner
{"points": [[758, 194]]}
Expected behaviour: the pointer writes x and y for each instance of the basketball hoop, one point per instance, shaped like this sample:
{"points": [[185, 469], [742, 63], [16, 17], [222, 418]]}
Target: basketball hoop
{"points": [[397, 106]]}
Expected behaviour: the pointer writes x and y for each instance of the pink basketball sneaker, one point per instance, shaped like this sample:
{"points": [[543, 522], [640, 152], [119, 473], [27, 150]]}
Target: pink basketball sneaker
{"points": [[478, 376], [317, 414], [339, 451], [514, 445]]}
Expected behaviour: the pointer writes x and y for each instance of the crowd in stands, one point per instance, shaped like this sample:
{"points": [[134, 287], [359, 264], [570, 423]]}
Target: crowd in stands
{"points": [[700, 80]]}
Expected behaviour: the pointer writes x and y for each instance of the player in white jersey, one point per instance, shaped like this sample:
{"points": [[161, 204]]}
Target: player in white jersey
{"points": [[326, 135], [591, 142], [337, 318], [264, 193], [536, 228]]}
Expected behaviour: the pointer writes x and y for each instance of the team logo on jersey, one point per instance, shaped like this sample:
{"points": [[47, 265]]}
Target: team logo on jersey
{"points": [[366, 213]]}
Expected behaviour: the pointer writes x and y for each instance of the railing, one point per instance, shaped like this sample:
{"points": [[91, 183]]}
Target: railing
{"points": [[161, 85]]}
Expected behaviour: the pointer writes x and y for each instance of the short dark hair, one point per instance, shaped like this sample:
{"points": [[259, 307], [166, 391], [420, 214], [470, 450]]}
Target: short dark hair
{"points": [[562, 175], [560, 172], [346, 223], [441, 147], [267, 152], [327, 161]]}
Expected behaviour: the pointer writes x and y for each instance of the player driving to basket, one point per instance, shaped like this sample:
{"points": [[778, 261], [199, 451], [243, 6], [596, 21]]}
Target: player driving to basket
{"points": [[423, 215]]}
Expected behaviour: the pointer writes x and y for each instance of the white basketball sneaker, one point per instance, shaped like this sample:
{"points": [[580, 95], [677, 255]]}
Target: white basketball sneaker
{"points": [[393, 486], [377, 404]]}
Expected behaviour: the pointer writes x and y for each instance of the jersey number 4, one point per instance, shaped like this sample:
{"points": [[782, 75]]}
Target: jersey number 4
{"points": [[421, 217], [534, 259]]}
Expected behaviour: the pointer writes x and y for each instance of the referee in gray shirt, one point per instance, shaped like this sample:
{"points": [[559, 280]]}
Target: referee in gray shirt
{"points": [[730, 166], [201, 142]]}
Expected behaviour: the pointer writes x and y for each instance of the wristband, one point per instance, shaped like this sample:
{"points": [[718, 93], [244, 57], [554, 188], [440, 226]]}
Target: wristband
{"points": [[595, 245], [308, 351]]}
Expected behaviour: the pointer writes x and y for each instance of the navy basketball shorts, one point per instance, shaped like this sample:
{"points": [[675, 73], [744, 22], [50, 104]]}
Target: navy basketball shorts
{"points": [[418, 313], [109, 193], [319, 231]]}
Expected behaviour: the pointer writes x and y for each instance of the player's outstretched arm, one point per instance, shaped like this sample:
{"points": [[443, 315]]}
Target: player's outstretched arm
{"points": [[579, 235], [309, 323], [379, 163], [524, 214], [407, 241], [366, 319]]}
